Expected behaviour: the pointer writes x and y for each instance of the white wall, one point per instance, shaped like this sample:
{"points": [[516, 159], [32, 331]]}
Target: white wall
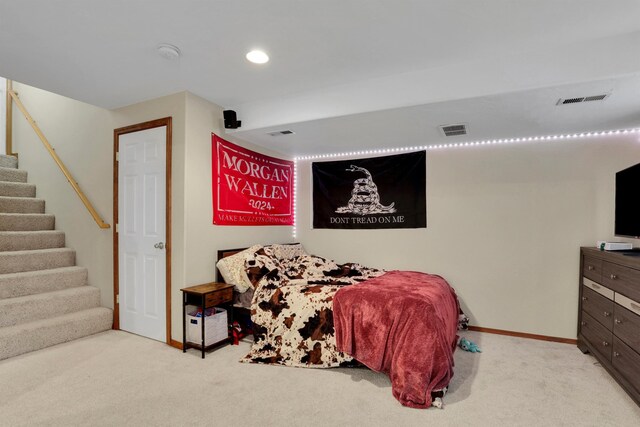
{"points": [[82, 136], [504, 222], [504, 227], [203, 239], [195, 239]]}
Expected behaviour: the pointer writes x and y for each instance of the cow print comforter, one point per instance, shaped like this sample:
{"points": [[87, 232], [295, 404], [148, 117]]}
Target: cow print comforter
{"points": [[292, 308]]}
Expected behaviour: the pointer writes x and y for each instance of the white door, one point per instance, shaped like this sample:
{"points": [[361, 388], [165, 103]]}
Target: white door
{"points": [[141, 232]]}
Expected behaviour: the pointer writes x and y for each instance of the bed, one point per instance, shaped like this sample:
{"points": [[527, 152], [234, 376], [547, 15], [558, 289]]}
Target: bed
{"points": [[309, 311]]}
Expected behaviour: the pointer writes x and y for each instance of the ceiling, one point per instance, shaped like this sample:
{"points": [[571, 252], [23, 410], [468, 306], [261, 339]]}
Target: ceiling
{"points": [[344, 75]]}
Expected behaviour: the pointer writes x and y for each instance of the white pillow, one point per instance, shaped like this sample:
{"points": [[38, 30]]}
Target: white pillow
{"points": [[233, 271], [288, 251]]}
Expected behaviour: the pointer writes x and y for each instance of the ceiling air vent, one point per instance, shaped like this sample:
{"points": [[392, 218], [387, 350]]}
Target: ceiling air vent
{"points": [[579, 99], [454, 130], [281, 132]]}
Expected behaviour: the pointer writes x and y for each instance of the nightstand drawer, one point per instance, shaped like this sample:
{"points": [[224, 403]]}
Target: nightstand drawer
{"points": [[597, 335], [217, 298], [598, 306], [213, 331]]}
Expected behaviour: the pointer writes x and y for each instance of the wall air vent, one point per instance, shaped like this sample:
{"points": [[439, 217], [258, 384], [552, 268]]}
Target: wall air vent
{"points": [[281, 132], [454, 130], [563, 101]]}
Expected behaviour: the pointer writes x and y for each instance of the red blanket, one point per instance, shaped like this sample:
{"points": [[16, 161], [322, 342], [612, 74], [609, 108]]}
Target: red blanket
{"points": [[404, 324]]}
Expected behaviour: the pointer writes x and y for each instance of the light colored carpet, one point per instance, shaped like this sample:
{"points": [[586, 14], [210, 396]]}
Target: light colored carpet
{"points": [[116, 379]]}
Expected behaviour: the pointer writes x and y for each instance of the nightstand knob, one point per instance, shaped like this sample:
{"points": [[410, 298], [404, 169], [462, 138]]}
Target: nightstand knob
{"points": [[616, 354], [618, 321], [606, 314], [590, 267], [613, 276], [604, 343]]}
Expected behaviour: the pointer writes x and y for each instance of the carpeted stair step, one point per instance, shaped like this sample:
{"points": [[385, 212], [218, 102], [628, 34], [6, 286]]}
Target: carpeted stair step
{"points": [[21, 205], [17, 189], [8, 161], [14, 311], [30, 240], [41, 259], [26, 222], [14, 285], [12, 175], [26, 337]]}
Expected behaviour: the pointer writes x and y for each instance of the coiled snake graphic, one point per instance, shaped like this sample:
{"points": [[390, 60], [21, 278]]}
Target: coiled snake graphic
{"points": [[365, 199]]}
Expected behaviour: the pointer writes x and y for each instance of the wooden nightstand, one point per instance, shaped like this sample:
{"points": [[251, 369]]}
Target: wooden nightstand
{"points": [[206, 296]]}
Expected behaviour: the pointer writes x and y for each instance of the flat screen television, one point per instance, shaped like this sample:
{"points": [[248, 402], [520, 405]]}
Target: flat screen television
{"points": [[628, 202]]}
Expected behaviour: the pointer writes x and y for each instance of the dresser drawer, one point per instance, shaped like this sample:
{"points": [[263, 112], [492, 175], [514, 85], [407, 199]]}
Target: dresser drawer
{"points": [[592, 268], [626, 326], [219, 297], [597, 335], [627, 362], [621, 279], [598, 306]]}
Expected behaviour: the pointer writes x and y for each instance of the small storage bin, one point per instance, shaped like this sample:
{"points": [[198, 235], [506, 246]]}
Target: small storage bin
{"points": [[215, 326]]}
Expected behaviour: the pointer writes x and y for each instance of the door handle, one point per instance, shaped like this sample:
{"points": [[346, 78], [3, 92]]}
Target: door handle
{"points": [[159, 245]]}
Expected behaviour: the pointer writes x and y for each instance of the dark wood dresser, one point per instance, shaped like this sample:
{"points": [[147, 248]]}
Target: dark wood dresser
{"points": [[609, 313]]}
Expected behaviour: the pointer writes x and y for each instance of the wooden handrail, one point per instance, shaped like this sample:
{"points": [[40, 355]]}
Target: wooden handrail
{"points": [[61, 165], [9, 120]]}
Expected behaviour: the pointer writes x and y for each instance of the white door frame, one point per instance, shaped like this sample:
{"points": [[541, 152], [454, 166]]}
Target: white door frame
{"points": [[116, 141]]}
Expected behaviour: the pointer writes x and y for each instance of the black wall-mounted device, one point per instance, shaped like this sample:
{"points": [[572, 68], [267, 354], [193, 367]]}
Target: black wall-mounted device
{"points": [[231, 120]]}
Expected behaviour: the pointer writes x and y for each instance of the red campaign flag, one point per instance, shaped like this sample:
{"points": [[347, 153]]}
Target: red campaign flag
{"points": [[250, 188]]}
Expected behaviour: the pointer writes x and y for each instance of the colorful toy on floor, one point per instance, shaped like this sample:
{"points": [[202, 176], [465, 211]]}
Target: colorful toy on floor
{"points": [[469, 346], [236, 333]]}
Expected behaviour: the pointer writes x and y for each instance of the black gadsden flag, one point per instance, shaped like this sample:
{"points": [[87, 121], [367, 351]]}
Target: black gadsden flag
{"points": [[378, 192]]}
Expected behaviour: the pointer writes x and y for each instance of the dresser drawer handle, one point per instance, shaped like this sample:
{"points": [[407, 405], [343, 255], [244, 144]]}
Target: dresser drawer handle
{"points": [[584, 298], [616, 354], [606, 314], [604, 343], [613, 276], [594, 286], [590, 267], [618, 321], [583, 323]]}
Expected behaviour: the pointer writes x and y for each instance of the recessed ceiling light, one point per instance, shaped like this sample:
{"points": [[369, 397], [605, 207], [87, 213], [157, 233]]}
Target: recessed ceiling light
{"points": [[257, 57], [168, 51]]}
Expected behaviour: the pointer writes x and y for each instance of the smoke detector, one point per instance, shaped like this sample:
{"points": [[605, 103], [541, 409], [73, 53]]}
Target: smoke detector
{"points": [[168, 51]]}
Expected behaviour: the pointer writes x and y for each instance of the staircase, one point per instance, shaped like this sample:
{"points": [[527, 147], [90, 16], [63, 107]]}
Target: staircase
{"points": [[44, 297]]}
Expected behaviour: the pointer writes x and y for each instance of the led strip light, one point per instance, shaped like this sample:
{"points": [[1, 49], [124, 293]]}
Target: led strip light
{"points": [[444, 146], [295, 196], [471, 143]]}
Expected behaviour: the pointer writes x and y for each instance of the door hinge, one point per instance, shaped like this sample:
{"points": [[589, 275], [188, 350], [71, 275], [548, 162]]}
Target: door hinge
{"points": [[117, 229], [117, 156], [118, 299]]}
